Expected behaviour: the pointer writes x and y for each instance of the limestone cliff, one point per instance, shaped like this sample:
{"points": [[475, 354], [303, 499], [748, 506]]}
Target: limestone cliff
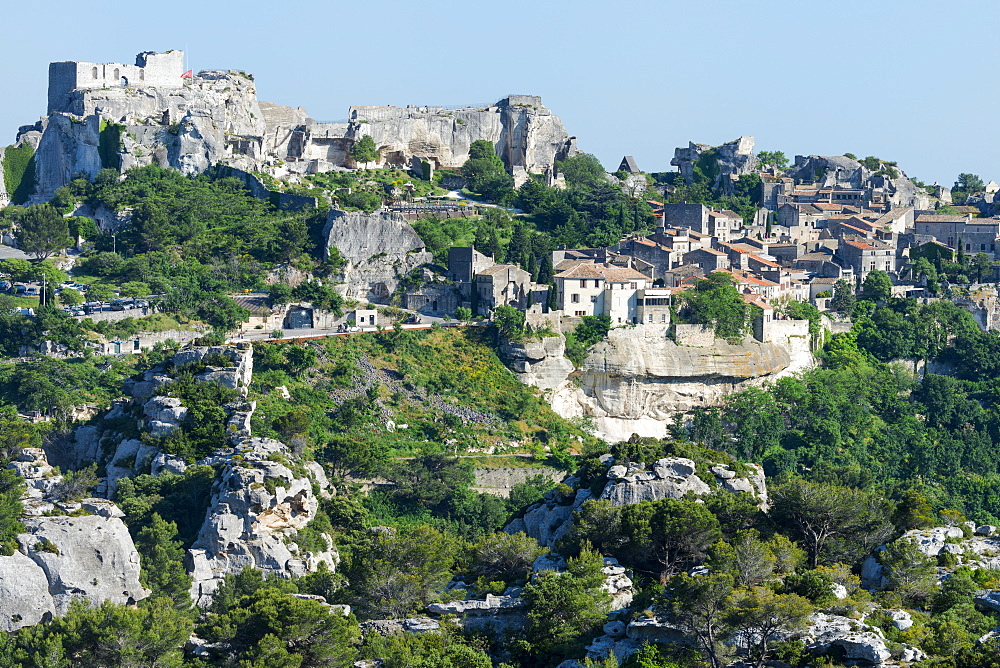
{"points": [[637, 379], [551, 518], [210, 119], [215, 118], [261, 498], [379, 249], [258, 506], [843, 172], [733, 160]]}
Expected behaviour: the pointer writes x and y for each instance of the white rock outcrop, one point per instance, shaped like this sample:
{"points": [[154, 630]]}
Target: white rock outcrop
{"points": [[379, 249], [258, 505], [551, 518], [637, 379], [61, 557]]}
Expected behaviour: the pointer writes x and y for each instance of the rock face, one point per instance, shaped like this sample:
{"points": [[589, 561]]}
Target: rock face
{"points": [[550, 519], [541, 363], [60, 557], [215, 117], [858, 641], [637, 379], [734, 159], [257, 503], [974, 552], [844, 172], [380, 249]]}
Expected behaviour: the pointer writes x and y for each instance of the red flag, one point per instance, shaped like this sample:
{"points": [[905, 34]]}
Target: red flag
{"points": [[187, 75]]}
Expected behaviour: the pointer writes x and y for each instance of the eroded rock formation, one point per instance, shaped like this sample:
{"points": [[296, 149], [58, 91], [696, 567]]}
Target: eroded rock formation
{"points": [[69, 551]]}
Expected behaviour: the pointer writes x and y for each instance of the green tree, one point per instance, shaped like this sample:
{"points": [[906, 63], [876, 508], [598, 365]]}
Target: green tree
{"points": [[509, 321], [70, 297], [101, 292], [966, 185], [42, 231], [485, 172], [463, 314], [759, 615], [135, 289], [364, 150], [748, 559], [17, 269], [564, 607], [983, 265], [162, 560], [715, 300], [11, 488], [911, 573], [699, 604], [682, 532], [877, 286], [773, 159], [820, 514], [256, 626], [396, 572], [505, 556]]}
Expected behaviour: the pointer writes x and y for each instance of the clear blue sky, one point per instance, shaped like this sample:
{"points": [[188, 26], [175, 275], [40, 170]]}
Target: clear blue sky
{"points": [[907, 80]]}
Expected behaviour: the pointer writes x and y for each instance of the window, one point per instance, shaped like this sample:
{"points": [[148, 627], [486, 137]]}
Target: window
{"points": [[579, 313], [575, 299], [632, 285], [94, 72], [663, 317], [593, 299], [650, 319]]}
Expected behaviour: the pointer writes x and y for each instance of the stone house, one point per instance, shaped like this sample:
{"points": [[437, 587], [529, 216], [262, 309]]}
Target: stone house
{"points": [[595, 289], [723, 225], [661, 258], [865, 255], [502, 285], [682, 275], [977, 235], [654, 306], [464, 262], [708, 259]]}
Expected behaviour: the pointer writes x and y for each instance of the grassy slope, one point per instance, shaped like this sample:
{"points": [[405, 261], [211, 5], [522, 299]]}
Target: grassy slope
{"points": [[447, 385]]}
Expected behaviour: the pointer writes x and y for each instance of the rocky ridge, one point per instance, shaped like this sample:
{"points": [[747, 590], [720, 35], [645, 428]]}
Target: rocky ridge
{"points": [[260, 498], [216, 118], [380, 249]]}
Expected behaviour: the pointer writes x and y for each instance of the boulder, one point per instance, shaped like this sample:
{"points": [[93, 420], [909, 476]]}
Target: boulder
{"points": [[901, 619], [24, 593], [89, 556], [988, 600]]}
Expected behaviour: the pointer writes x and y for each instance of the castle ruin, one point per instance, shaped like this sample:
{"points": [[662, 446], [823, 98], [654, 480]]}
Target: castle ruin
{"points": [[161, 70]]}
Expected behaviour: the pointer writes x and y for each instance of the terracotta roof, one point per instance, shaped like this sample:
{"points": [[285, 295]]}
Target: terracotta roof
{"points": [[862, 246], [825, 206], [758, 258], [608, 272]]}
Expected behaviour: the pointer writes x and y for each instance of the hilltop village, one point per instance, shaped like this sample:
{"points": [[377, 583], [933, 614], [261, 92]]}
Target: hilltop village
{"points": [[431, 386]]}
